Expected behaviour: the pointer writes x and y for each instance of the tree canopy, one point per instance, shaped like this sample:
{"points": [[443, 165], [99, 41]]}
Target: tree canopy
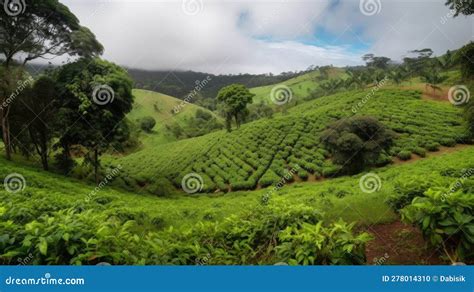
{"points": [[98, 96], [465, 7], [357, 142], [37, 29], [234, 100], [45, 28], [465, 58]]}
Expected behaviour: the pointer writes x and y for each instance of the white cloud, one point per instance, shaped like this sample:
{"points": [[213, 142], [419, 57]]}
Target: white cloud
{"points": [[262, 36], [403, 25]]}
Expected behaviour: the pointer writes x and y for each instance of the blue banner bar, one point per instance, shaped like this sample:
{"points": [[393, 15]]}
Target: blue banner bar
{"points": [[213, 278]]}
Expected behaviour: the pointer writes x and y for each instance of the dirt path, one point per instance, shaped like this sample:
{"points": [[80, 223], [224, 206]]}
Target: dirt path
{"points": [[428, 94], [395, 161], [399, 244]]}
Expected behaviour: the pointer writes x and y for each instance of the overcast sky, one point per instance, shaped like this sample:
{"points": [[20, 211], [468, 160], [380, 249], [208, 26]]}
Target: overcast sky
{"points": [[266, 36]]}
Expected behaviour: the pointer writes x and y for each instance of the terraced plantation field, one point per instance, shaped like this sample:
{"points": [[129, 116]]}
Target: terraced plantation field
{"points": [[124, 228], [260, 153], [63, 221]]}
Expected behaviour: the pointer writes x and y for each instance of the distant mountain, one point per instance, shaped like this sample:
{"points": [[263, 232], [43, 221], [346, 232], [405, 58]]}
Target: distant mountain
{"points": [[182, 83]]}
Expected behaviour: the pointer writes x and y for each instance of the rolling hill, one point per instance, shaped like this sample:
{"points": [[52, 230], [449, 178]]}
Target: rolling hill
{"points": [[260, 153], [166, 110], [300, 86]]}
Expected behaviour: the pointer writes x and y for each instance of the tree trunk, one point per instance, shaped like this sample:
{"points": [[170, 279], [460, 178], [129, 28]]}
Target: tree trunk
{"points": [[44, 161], [228, 123], [237, 122], [96, 165], [5, 110], [6, 135]]}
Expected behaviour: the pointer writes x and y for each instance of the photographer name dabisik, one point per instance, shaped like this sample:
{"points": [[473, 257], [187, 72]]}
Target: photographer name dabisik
{"points": [[452, 278]]}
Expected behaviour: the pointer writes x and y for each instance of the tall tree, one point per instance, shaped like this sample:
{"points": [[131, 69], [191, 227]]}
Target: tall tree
{"points": [[234, 100], [418, 60], [39, 112], [397, 75], [465, 7], [376, 62], [465, 58], [37, 29], [445, 61], [98, 96], [469, 114]]}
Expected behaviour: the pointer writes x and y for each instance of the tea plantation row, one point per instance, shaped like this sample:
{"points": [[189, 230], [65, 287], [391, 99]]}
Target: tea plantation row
{"points": [[57, 221], [261, 153]]}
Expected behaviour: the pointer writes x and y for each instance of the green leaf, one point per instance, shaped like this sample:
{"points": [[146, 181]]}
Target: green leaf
{"points": [[43, 246], [426, 222]]}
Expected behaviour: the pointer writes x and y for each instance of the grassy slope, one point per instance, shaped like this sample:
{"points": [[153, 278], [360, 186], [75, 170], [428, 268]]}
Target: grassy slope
{"points": [[245, 155], [300, 86], [338, 198], [145, 103]]}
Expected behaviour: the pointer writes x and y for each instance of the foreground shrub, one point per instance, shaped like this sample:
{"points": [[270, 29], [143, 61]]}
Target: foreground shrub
{"points": [[406, 189], [87, 237], [309, 244], [267, 236], [445, 219]]}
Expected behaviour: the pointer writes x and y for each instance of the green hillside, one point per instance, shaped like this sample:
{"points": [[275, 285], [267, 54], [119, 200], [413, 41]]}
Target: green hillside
{"points": [[63, 221], [162, 108], [261, 152], [300, 86]]}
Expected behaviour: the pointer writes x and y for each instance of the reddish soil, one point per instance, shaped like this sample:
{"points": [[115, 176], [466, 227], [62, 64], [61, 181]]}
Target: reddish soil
{"points": [[427, 92], [296, 178], [399, 244]]}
